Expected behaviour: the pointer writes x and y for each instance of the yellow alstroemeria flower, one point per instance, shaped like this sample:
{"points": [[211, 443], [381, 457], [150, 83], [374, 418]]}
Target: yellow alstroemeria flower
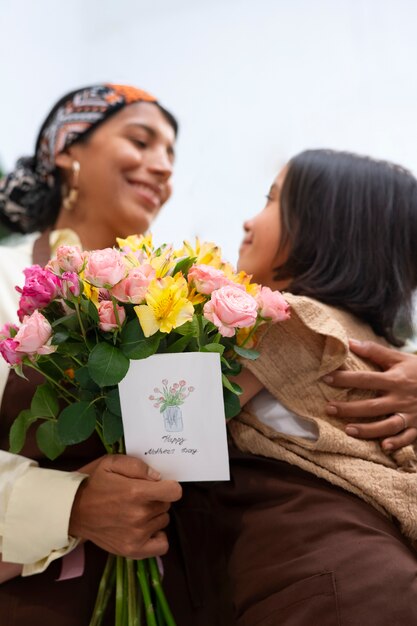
{"points": [[206, 252], [167, 305], [90, 291], [241, 278], [164, 263], [195, 297], [136, 243], [242, 335]]}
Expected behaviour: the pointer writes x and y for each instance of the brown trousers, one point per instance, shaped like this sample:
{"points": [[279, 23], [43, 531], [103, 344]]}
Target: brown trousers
{"points": [[305, 553]]}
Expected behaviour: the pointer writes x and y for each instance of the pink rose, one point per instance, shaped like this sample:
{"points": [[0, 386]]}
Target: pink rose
{"points": [[206, 278], [107, 316], [231, 307], [41, 286], [8, 351], [8, 344], [70, 259], [34, 335], [70, 285], [8, 330], [105, 268], [133, 288], [272, 305]]}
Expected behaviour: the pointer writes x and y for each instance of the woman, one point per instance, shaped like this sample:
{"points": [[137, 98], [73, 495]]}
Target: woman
{"points": [[102, 168], [313, 516]]}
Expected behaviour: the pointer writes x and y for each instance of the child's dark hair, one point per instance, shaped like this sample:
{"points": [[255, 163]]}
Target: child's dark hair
{"points": [[350, 224]]}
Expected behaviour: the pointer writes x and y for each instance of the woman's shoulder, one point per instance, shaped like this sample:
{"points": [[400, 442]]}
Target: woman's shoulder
{"points": [[15, 256], [16, 253]]}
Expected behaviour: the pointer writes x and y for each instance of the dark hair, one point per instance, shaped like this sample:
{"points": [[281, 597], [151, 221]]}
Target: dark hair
{"points": [[37, 203], [350, 225]]}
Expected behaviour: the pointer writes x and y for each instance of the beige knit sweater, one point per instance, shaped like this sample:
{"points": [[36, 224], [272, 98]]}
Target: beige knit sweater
{"points": [[295, 355]]}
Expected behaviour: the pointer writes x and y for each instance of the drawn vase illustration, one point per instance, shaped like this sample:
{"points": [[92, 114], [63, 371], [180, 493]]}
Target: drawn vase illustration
{"points": [[172, 419]]}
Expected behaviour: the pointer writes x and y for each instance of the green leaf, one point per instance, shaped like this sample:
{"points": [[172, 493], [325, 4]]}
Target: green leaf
{"points": [[60, 337], [213, 347], [134, 344], [233, 367], [231, 404], [76, 423], [48, 440], [83, 378], [69, 321], [112, 427], [184, 265], [246, 353], [233, 387], [113, 402], [189, 328], [90, 309], [44, 402], [107, 365], [17, 434], [179, 345], [85, 395], [72, 348]]}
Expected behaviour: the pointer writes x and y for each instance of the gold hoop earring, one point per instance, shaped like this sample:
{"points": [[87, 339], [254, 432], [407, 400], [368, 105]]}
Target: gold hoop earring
{"points": [[70, 199]]}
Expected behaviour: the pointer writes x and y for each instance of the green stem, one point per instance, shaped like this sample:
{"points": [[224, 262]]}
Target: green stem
{"points": [[77, 309], [132, 595], [116, 312], [54, 382], [62, 372], [252, 332], [78, 362], [200, 331], [99, 432], [104, 591], [146, 594], [162, 601], [119, 591]]}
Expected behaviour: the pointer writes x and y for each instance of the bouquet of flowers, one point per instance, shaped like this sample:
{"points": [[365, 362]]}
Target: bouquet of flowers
{"points": [[86, 315]]}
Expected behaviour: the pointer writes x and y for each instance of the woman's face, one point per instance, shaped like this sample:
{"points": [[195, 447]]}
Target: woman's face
{"points": [[125, 171], [258, 251]]}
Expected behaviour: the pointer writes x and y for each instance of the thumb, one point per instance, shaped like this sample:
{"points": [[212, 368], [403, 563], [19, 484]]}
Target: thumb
{"points": [[130, 466], [380, 355]]}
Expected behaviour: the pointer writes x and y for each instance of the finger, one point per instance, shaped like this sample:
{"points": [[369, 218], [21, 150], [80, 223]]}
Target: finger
{"points": [[358, 380], [360, 409], [162, 491], [130, 466], [382, 428], [155, 546], [406, 438], [380, 355]]}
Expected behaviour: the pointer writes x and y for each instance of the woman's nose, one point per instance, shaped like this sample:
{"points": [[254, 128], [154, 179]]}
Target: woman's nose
{"points": [[160, 163]]}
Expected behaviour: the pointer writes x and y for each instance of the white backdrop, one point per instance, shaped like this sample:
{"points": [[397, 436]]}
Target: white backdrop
{"points": [[252, 83]]}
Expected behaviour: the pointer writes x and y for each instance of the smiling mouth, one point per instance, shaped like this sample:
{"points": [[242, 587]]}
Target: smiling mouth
{"points": [[149, 194]]}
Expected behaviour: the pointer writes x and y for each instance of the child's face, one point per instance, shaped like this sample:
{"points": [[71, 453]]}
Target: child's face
{"points": [[258, 251]]}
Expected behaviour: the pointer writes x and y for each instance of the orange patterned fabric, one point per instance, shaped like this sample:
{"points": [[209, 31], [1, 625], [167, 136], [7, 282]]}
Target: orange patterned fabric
{"points": [[130, 94], [78, 114]]}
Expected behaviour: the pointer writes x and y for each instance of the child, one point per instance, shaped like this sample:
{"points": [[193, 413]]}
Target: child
{"points": [[316, 511]]}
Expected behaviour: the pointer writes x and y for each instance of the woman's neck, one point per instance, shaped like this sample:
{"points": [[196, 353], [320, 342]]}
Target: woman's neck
{"points": [[92, 236]]}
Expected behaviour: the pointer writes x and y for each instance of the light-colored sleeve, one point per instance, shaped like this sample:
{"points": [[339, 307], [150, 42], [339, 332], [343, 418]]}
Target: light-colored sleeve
{"points": [[35, 503], [35, 507]]}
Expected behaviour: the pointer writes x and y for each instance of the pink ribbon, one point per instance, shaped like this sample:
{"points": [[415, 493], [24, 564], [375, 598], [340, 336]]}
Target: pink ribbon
{"points": [[72, 565]]}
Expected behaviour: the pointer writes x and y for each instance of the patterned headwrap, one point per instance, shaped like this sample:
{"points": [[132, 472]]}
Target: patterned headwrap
{"points": [[22, 191]]}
